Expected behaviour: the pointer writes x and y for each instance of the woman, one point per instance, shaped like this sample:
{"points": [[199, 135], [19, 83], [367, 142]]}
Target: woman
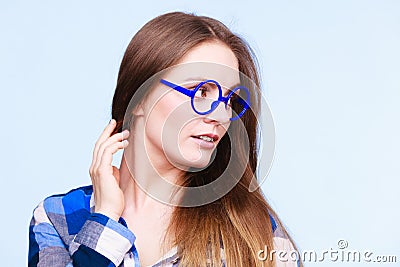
{"points": [[123, 219]]}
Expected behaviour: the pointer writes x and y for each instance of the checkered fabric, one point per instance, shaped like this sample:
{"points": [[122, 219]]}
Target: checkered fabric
{"points": [[65, 231]]}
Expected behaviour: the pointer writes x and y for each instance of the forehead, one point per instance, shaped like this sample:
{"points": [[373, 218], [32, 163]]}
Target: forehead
{"points": [[208, 60], [213, 52], [200, 71]]}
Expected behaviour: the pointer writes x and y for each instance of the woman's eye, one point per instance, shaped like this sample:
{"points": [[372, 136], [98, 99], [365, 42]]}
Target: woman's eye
{"points": [[201, 92], [230, 102], [232, 99]]}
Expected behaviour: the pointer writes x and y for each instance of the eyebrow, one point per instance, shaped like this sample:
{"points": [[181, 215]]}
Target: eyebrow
{"points": [[195, 79], [200, 79]]}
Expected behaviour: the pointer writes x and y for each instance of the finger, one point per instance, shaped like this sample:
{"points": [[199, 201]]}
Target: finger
{"points": [[115, 138], [118, 137], [106, 132], [106, 157]]}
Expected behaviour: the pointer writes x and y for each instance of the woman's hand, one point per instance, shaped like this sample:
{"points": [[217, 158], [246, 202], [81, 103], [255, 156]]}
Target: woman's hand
{"points": [[108, 196]]}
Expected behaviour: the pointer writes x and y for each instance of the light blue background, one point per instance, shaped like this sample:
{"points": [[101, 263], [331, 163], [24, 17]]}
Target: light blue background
{"points": [[331, 73]]}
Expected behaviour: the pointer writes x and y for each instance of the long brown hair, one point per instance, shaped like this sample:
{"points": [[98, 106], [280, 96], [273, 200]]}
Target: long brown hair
{"points": [[240, 220]]}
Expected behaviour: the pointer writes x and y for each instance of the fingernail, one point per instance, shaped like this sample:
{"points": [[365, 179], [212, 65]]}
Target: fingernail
{"points": [[125, 133], [112, 121]]}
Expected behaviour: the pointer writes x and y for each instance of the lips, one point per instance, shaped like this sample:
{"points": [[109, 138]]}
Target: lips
{"points": [[209, 137]]}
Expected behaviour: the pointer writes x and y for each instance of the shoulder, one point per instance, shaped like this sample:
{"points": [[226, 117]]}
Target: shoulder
{"points": [[282, 243], [66, 212], [70, 202], [277, 227]]}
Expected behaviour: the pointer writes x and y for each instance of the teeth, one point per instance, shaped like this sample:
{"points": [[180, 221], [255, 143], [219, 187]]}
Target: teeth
{"points": [[206, 138]]}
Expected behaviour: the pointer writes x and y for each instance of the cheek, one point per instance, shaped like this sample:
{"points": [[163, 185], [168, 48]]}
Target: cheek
{"points": [[223, 130], [167, 118]]}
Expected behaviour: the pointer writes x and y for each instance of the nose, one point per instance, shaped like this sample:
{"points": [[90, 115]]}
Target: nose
{"points": [[220, 115]]}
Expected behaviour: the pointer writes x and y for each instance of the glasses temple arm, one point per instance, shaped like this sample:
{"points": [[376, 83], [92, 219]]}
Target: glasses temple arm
{"points": [[178, 88]]}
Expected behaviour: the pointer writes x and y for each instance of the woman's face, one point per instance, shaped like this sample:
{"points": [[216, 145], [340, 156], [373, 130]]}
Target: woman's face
{"points": [[173, 130]]}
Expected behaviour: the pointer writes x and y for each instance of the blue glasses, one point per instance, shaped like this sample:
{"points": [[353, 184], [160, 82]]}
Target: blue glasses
{"points": [[206, 96]]}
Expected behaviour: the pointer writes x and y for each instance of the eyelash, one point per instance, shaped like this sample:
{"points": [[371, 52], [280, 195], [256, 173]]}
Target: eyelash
{"points": [[204, 88]]}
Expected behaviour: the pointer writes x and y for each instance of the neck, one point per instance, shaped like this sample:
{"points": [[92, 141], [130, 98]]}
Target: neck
{"points": [[145, 174]]}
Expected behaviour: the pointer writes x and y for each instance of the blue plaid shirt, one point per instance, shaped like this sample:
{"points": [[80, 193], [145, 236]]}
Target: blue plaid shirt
{"points": [[65, 231]]}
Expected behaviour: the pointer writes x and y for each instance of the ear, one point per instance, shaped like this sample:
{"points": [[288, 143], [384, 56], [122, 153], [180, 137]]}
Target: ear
{"points": [[138, 110]]}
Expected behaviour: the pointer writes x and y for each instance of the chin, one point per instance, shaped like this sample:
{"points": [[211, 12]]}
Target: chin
{"points": [[201, 164], [191, 156], [201, 160], [191, 160]]}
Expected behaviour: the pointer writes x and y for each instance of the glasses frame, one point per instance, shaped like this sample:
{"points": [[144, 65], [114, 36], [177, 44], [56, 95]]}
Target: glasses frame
{"points": [[214, 104]]}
